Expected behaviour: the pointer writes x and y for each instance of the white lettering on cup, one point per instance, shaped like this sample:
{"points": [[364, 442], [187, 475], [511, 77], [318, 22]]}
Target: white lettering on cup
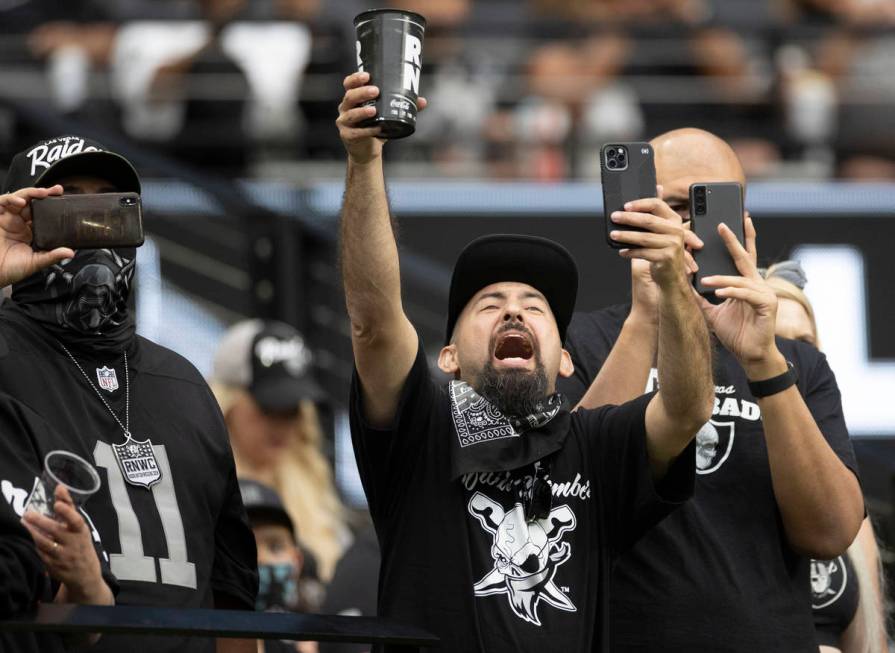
{"points": [[413, 47]]}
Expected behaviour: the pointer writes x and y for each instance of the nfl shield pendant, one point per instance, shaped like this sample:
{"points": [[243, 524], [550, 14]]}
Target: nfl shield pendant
{"points": [[107, 378], [137, 462]]}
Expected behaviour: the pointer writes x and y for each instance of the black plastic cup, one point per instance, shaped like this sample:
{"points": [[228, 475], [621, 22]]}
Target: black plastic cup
{"points": [[390, 47]]}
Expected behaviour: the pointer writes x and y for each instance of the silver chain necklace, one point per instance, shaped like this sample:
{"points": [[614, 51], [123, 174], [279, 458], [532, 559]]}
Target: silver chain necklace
{"points": [[136, 458], [127, 393]]}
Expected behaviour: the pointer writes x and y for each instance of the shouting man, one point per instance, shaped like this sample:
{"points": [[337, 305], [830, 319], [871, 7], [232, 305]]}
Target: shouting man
{"points": [[498, 511]]}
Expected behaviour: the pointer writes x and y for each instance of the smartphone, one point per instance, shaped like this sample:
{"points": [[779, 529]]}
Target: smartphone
{"points": [[628, 173], [87, 221], [710, 205]]}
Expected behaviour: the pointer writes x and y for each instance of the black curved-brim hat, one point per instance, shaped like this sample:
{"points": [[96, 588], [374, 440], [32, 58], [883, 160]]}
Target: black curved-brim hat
{"points": [[539, 262], [46, 162]]}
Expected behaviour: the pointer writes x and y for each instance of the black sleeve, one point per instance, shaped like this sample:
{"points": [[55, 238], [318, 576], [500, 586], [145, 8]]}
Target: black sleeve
{"points": [[104, 564], [818, 386], [385, 457], [23, 579], [574, 387], [589, 339], [632, 502], [235, 570]]}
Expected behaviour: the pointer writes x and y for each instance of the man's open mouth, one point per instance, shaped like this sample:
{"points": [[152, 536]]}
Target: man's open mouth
{"points": [[513, 345]]}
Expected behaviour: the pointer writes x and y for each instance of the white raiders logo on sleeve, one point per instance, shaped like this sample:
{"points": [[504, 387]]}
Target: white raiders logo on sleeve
{"points": [[526, 556], [829, 579]]}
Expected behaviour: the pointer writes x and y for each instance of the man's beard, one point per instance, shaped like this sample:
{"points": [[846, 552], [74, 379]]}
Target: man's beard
{"points": [[514, 392]]}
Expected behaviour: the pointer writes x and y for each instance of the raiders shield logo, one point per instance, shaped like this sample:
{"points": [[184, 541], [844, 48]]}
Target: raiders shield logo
{"points": [[714, 442], [829, 579], [137, 462], [107, 378]]}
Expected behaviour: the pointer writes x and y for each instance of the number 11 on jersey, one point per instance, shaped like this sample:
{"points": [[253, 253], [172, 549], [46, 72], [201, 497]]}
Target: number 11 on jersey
{"points": [[132, 563]]}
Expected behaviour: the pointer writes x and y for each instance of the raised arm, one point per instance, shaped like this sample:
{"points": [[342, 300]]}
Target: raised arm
{"points": [[625, 373], [818, 496], [686, 390], [383, 339]]}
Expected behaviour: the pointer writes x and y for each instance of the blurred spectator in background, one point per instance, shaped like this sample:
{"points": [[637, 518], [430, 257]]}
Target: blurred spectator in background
{"points": [[262, 380], [846, 593], [224, 81], [868, 13], [330, 53], [280, 560], [520, 89]]}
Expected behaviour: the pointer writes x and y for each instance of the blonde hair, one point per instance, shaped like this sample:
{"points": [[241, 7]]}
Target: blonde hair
{"points": [[304, 480], [872, 608], [788, 290]]}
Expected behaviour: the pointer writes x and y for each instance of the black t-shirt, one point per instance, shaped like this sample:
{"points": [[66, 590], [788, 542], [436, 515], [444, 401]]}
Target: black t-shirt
{"points": [[718, 574], [835, 593], [458, 557], [184, 539]]}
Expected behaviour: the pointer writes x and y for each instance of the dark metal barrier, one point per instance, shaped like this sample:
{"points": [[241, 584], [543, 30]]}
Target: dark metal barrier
{"points": [[131, 620]]}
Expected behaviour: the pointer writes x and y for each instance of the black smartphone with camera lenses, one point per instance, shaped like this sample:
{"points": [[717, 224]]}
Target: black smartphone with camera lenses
{"points": [[710, 205], [87, 221], [628, 173]]}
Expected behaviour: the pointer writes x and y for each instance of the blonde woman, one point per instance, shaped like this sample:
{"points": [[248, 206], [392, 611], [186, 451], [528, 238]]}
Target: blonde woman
{"points": [[849, 615], [262, 381]]}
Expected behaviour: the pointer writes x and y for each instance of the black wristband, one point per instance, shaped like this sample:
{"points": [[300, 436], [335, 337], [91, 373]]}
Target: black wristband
{"points": [[775, 384]]}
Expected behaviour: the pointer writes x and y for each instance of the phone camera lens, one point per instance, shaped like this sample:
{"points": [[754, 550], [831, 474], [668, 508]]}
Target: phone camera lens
{"points": [[612, 163]]}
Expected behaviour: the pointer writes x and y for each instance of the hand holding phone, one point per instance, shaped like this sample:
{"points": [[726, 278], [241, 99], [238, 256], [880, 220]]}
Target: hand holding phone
{"points": [[87, 221], [628, 173], [17, 258], [710, 205]]}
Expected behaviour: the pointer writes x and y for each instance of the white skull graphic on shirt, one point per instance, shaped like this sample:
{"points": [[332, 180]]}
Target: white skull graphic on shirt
{"points": [[526, 556]]}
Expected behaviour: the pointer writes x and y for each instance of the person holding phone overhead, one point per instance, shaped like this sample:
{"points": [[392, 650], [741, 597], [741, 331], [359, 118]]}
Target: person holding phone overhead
{"points": [[168, 511], [776, 480]]}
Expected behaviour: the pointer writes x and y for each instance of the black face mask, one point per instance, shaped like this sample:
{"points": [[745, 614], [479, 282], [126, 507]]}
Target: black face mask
{"points": [[83, 299]]}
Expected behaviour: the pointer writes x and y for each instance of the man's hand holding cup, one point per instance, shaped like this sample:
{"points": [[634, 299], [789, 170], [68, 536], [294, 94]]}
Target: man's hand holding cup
{"points": [[363, 144]]}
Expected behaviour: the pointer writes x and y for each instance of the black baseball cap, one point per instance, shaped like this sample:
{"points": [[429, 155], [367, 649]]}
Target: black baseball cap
{"points": [[46, 162], [263, 505], [269, 359], [539, 262]]}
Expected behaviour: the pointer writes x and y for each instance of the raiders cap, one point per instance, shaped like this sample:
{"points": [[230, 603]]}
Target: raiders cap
{"points": [[46, 162], [538, 262], [271, 361], [263, 505]]}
